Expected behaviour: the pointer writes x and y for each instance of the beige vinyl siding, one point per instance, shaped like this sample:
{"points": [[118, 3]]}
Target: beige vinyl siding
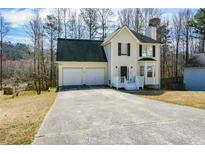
{"points": [[107, 49], [124, 36]]}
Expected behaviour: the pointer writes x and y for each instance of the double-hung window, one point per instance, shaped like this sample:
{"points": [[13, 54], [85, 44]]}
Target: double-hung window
{"points": [[149, 71], [141, 70], [147, 51], [123, 49]]}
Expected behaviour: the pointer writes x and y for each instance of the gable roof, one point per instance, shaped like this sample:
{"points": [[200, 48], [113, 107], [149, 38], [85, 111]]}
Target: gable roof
{"points": [[107, 39], [197, 60], [143, 38], [80, 50], [138, 36]]}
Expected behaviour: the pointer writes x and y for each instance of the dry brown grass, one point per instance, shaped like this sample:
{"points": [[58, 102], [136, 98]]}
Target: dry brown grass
{"points": [[189, 98], [20, 117]]}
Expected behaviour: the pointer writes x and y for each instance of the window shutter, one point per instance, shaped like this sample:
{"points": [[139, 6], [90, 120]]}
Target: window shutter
{"points": [[119, 49], [128, 49], [153, 50], [140, 50]]}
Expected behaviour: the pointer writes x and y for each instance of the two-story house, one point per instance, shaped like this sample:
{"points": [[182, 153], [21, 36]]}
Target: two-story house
{"points": [[125, 59]]}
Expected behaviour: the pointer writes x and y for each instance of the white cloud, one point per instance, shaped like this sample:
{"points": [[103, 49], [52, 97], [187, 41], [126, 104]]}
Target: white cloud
{"points": [[17, 17], [20, 17]]}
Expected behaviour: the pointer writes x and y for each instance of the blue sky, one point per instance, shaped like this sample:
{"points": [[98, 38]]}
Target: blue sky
{"points": [[19, 17]]}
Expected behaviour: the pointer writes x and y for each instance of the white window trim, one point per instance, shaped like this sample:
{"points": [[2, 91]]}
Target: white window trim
{"points": [[124, 50], [147, 51]]}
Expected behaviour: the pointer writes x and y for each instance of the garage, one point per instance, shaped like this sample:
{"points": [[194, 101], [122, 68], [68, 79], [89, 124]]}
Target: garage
{"points": [[94, 76], [81, 62], [72, 76]]}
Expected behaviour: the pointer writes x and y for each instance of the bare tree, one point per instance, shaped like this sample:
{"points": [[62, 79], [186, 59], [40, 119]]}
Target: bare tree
{"points": [[177, 29], [65, 19], [73, 25], [125, 17], [4, 28], [138, 18], [51, 28], [35, 30], [90, 17], [58, 13], [104, 18], [187, 16], [80, 27], [44, 60]]}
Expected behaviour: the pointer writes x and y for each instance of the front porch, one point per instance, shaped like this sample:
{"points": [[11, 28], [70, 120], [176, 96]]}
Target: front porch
{"points": [[135, 77], [134, 83]]}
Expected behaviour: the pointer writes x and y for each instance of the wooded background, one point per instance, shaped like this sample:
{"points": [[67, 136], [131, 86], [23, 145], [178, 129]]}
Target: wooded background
{"points": [[182, 34]]}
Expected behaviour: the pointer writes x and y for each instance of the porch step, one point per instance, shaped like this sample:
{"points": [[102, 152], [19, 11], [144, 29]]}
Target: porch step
{"points": [[131, 86]]}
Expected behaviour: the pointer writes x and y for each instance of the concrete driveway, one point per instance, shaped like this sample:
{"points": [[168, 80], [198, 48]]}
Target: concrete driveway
{"points": [[107, 116]]}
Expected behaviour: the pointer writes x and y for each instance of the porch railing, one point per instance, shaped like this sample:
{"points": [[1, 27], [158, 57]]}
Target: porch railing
{"points": [[122, 82], [119, 82], [139, 80]]}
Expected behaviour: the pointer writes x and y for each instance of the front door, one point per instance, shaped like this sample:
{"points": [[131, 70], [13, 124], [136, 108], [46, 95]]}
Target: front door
{"points": [[123, 71]]}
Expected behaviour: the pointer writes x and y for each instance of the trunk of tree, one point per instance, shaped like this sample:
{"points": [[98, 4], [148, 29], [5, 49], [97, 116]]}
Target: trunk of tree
{"points": [[164, 60], [65, 24], [137, 20], [203, 42], [34, 65], [59, 22], [187, 45], [103, 30], [51, 69], [90, 31], [177, 54], [38, 71], [65, 27], [44, 67], [1, 67]]}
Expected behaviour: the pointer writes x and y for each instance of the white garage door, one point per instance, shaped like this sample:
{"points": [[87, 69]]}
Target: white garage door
{"points": [[94, 76], [72, 76]]}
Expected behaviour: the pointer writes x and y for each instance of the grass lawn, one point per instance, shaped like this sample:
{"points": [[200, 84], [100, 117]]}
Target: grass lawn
{"points": [[189, 98], [20, 117]]}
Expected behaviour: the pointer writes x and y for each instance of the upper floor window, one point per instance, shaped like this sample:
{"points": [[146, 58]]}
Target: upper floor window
{"points": [[123, 49], [147, 51]]}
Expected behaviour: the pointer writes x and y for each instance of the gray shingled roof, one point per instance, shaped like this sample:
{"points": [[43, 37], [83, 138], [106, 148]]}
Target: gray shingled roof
{"points": [[197, 60], [80, 50], [143, 38]]}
